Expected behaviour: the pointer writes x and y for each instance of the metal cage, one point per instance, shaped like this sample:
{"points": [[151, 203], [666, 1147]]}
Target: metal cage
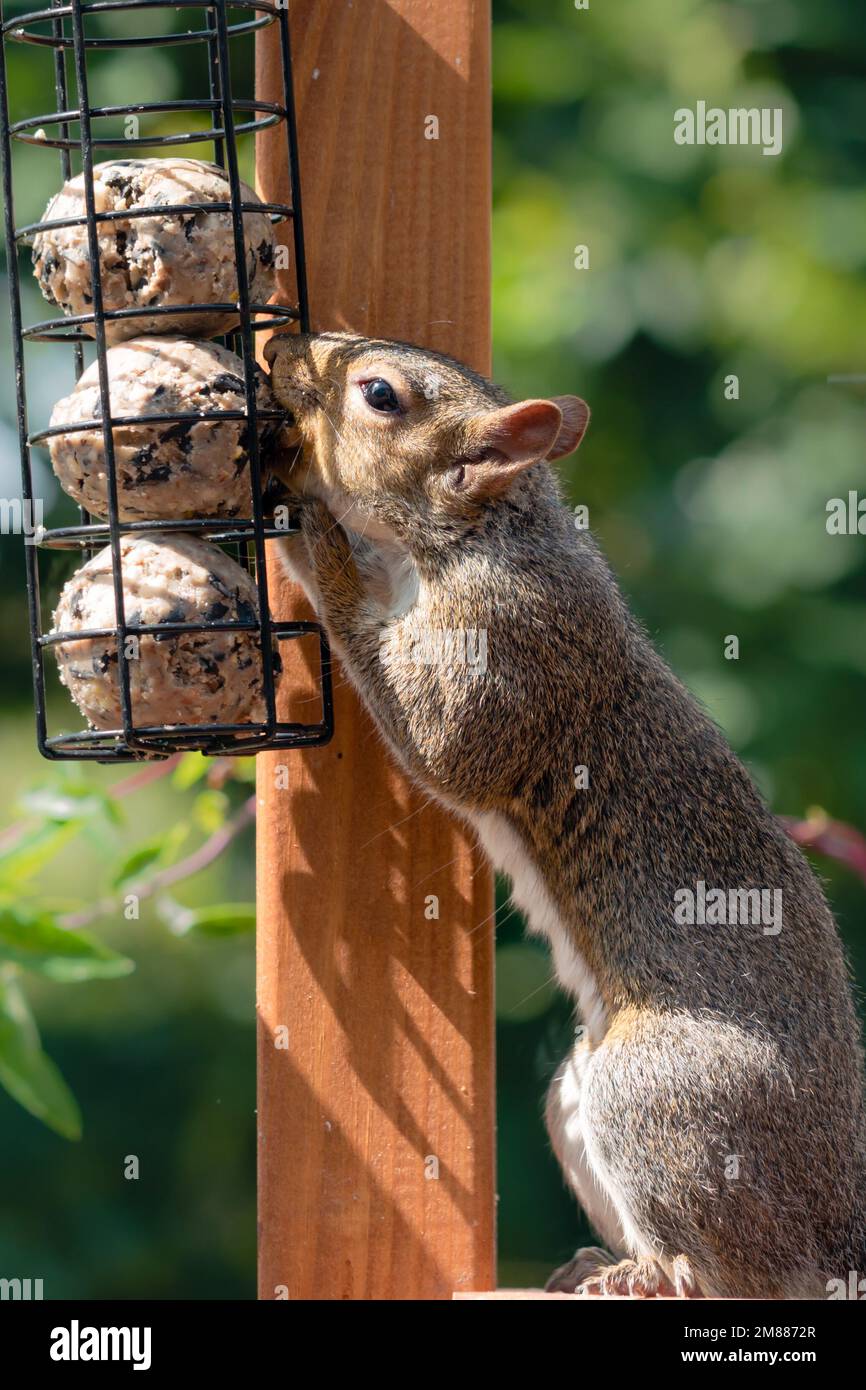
{"points": [[61, 27]]}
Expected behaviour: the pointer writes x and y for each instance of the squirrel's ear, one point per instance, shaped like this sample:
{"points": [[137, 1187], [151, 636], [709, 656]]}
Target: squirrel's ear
{"points": [[575, 418], [508, 441], [522, 433]]}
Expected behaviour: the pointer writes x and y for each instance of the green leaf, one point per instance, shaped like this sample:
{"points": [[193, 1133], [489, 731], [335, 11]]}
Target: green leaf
{"points": [[72, 801], [34, 849], [31, 939], [160, 851], [137, 862], [173, 841], [191, 768], [209, 810], [244, 769], [221, 919], [27, 1073], [54, 907]]}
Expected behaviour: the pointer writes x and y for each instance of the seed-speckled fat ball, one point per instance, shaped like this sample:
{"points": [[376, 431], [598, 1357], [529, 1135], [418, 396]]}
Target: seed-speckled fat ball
{"points": [[181, 678], [164, 471], [169, 258]]}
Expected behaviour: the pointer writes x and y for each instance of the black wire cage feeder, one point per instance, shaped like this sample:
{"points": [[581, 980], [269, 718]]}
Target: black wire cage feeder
{"points": [[76, 32]]}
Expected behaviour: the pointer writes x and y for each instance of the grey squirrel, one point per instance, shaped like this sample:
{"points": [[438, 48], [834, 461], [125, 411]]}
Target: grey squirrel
{"points": [[710, 1115]]}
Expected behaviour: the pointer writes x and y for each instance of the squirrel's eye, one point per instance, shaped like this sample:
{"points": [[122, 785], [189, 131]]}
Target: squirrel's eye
{"points": [[380, 395]]}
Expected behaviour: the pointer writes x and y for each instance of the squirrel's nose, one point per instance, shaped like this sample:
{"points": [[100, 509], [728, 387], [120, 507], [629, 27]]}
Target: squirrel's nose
{"points": [[294, 344], [272, 347]]}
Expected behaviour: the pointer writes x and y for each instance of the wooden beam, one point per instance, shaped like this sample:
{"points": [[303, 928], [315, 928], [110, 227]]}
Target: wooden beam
{"points": [[386, 1078]]}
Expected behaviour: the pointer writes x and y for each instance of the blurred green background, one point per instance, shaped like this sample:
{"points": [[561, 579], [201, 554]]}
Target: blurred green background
{"points": [[704, 262]]}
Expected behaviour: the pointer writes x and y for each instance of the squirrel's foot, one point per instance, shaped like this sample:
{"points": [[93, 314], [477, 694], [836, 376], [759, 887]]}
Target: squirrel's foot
{"points": [[590, 1260], [628, 1279], [643, 1278]]}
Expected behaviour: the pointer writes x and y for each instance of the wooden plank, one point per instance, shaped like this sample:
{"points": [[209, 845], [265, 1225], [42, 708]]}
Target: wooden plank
{"points": [[524, 1295], [388, 1071]]}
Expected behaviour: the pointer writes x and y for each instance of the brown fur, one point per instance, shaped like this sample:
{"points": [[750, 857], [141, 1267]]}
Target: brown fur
{"points": [[720, 1040]]}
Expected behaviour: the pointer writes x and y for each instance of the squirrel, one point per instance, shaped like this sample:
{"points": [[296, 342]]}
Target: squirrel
{"points": [[709, 1117]]}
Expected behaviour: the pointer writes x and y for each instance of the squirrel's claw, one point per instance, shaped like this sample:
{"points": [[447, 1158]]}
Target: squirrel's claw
{"points": [[588, 1261], [643, 1278]]}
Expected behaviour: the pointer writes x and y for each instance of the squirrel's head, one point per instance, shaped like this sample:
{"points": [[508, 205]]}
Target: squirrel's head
{"points": [[405, 437]]}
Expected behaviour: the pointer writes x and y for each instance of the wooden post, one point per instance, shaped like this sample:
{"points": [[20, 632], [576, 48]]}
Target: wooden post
{"points": [[376, 1115]]}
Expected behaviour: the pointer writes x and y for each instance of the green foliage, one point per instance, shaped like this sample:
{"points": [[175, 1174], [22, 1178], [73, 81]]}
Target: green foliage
{"points": [[141, 859], [42, 937], [33, 940], [69, 802], [210, 809], [223, 919], [191, 769], [28, 1075]]}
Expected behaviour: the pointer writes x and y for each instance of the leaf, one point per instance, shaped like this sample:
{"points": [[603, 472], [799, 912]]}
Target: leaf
{"points": [[209, 810], [55, 907], [73, 801], [244, 769], [174, 839], [33, 940], [191, 769], [160, 851], [35, 848], [135, 864], [221, 919], [27, 1073]]}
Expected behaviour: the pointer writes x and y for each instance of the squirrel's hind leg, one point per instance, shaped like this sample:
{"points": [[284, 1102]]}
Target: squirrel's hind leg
{"points": [[592, 1270]]}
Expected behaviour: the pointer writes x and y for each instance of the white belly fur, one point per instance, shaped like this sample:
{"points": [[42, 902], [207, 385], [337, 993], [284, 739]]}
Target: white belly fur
{"points": [[529, 893]]}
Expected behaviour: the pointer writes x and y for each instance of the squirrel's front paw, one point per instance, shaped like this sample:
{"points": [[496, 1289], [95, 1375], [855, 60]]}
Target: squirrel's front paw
{"points": [[341, 597], [327, 543], [316, 520]]}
